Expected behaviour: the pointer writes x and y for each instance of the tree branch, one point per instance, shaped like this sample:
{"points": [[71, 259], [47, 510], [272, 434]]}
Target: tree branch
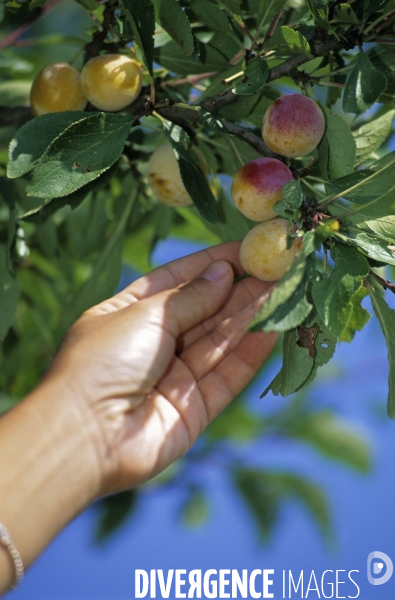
{"points": [[15, 116], [185, 117]]}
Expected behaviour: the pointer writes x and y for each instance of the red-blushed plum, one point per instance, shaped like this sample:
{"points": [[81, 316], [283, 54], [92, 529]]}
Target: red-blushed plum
{"points": [[112, 81], [263, 252], [258, 185], [293, 125], [57, 88]]}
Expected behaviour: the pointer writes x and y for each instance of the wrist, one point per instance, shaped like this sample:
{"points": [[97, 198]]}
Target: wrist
{"points": [[48, 464]]}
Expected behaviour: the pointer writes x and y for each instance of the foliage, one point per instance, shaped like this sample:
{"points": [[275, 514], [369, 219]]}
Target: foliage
{"points": [[75, 202]]}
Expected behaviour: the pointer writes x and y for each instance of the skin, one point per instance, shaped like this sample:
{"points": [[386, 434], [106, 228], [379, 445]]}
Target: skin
{"points": [[258, 185], [135, 382], [263, 252], [112, 81], [164, 177], [56, 88], [293, 125]]}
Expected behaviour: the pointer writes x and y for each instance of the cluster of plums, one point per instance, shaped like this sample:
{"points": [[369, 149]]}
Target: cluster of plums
{"points": [[110, 82], [292, 127]]}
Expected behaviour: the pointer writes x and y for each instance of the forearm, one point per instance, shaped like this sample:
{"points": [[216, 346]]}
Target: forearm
{"points": [[48, 471]]}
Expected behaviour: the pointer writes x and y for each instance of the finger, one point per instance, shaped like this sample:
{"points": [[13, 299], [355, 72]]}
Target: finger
{"points": [[183, 307], [233, 373], [173, 274], [242, 293], [203, 355]]}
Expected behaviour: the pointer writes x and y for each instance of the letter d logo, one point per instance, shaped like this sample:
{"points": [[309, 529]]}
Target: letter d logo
{"points": [[379, 559]]}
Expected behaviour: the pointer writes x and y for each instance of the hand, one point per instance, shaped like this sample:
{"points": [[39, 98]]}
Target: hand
{"points": [[150, 368]]}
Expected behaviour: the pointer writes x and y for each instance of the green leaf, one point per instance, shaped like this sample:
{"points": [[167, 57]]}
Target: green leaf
{"points": [[264, 490], [142, 21], [374, 247], [291, 201], [357, 316], [254, 79], [106, 272], [371, 135], [235, 423], [50, 206], [267, 9], [33, 138], [296, 368], [7, 193], [289, 314], [343, 13], [384, 227], [9, 292], [287, 39], [175, 21], [332, 295], [171, 57], [211, 120], [232, 5], [238, 153], [194, 180], [341, 144], [113, 512], [386, 317], [364, 85], [211, 15], [377, 182], [369, 7], [195, 510], [287, 286], [343, 184], [80, 154], [92, 6], [319, 341], [232, 224], [305, 349], [328, 434], [319, 11]]}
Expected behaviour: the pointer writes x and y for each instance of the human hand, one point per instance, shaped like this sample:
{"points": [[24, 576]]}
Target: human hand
{"points": [[151, 367]]}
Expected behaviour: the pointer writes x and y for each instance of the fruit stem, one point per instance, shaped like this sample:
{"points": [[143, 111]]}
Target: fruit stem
{"points": [[329, 83], [232, 78], [152, 95]]}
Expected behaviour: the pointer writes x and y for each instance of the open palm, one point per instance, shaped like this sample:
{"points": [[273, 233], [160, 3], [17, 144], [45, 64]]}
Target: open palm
{"points": [[164, 357]]}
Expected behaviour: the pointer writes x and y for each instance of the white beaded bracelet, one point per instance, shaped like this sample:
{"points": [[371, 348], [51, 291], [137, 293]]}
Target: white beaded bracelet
{"points": [[6, 541]]}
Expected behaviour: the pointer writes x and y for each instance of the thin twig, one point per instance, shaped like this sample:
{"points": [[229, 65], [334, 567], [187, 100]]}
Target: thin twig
{"points": [[11, 38], [387, 285], [272, 28], [192, 79]]}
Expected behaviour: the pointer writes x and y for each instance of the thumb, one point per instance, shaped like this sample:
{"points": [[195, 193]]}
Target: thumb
{"points": [[195, 301]]}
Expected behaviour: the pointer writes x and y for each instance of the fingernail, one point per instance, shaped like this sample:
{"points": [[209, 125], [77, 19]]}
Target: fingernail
{"points": [[215, 271]]}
